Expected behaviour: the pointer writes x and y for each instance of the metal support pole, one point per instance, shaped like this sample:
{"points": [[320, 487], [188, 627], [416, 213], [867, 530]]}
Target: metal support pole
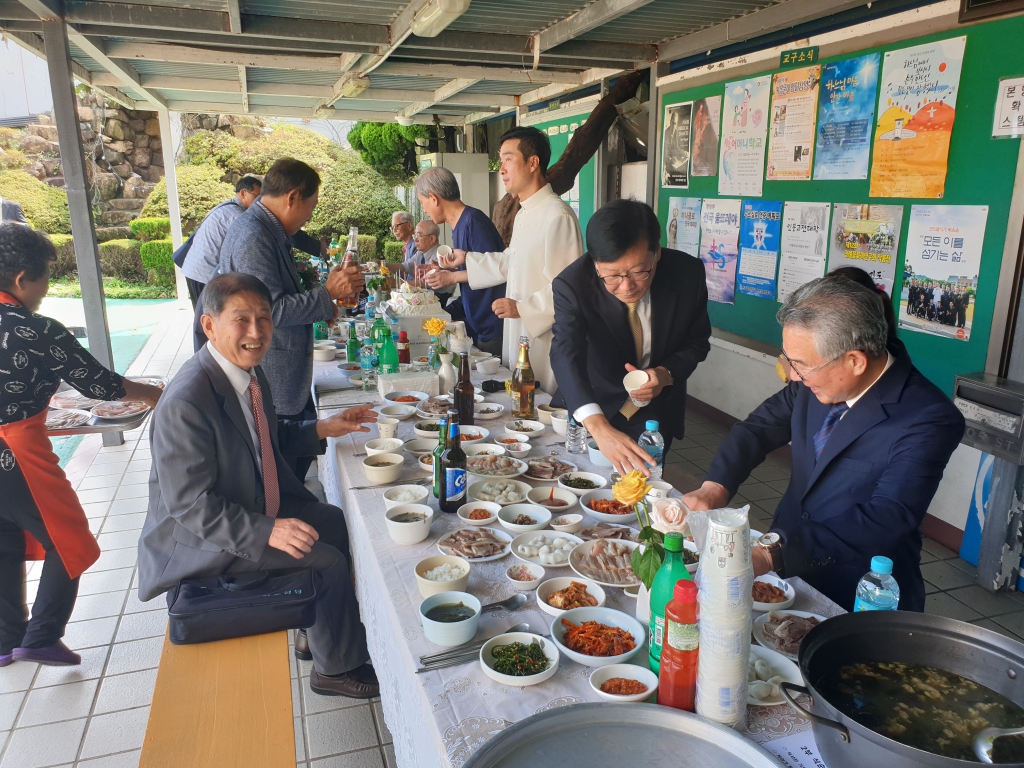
{"points": [[169, 142], [87, 254], [653, 116], [601, 162]]}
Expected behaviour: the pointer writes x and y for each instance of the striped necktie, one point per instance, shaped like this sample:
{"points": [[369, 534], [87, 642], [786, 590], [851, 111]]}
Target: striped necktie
{"points": [[628, 409], [259, 416], [835, 413]]}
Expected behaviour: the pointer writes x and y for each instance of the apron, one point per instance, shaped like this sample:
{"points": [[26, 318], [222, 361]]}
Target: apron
{"points": [[56, 500]]}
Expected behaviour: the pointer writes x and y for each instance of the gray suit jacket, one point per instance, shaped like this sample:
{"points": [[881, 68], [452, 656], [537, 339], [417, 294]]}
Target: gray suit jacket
{"points": [[206, 504], [252, 245]]}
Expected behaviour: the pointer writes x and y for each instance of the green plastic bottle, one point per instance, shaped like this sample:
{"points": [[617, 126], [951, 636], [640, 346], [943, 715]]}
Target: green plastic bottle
{"points": [[672, 569], [352, 346], [377, 333], [388, 353]]}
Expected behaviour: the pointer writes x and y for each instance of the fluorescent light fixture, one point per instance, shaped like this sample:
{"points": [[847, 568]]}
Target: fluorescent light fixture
{"points": [[436, 15], [403, 120], [355, 86]]}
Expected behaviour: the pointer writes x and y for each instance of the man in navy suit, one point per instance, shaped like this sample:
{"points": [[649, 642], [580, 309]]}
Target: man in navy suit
{"points": [[871, 437], [628, 304]]}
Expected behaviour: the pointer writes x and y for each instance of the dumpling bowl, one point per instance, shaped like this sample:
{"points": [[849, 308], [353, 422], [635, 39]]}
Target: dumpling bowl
{"points": [[404, 494], [642, 675], [445, 633], [430, 587], [412, 532]]}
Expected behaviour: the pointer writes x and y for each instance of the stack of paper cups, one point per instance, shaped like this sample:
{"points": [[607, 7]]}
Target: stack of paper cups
{"points": [[725, 578]]}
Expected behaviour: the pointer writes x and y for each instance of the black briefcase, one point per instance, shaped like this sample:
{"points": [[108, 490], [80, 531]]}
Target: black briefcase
{"points": [[242, 604]]}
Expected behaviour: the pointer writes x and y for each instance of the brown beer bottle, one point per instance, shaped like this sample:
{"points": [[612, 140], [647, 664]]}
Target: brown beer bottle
{"points": [[463, 395], [523, 383], [351, 259]]}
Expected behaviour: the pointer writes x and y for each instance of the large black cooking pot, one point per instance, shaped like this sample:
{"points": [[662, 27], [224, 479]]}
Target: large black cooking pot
{"points": [[978, 654]]}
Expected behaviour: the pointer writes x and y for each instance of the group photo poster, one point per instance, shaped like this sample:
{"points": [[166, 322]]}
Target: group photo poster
{"points": [[846, 112], [744, 131], [940, 271], [682, 231], [719, 239], [707, 119], [868, 237], [916, 111], [675, 146], [760, 238], [804, 236], [794, 117]]}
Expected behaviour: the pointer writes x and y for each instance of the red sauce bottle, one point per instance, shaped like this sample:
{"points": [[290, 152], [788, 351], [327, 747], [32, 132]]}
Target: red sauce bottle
{"points": [[404, 356], [677, 680]]}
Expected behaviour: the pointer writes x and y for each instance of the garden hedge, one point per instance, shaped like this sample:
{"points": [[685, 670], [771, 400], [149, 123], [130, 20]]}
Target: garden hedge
{"points": [[157, 258], [12, 158], [66, 265], [199, 190], [394, 252], [257, 155], [45, 207], [155, 228], [353, 194], [121, 258]]}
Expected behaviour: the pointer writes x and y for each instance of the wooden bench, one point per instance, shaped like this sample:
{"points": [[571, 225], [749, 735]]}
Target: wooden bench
{"points": [[222, 705]]}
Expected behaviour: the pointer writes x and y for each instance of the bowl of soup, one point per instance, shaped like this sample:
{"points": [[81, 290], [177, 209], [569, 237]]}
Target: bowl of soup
{"points": [[450, 618], [409, 523]]}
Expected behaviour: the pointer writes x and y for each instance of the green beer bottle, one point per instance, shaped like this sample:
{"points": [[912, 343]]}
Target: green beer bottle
{"points": [[442, 439]]}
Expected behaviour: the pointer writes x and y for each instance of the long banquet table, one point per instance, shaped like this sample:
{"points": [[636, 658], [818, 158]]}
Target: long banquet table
{"points": [[441, 717]]}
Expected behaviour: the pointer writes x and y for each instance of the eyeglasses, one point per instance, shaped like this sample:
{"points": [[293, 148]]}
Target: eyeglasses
{"points": [[805, 374], [636, 278]]}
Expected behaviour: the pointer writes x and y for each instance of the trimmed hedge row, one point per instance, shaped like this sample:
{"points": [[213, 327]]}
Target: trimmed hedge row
{"points": [[151, 228], [45, 207], [66, 265], [394, 252], [157, 258]]}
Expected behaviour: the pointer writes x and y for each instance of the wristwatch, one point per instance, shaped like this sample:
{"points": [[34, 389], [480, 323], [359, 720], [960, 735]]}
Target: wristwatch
{"points": [[772, 544]]}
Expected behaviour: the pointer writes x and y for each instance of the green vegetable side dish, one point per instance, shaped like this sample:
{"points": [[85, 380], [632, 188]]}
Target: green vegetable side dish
{"points": [[579, 483], [429, 426], [519, 659], [689, 558]]}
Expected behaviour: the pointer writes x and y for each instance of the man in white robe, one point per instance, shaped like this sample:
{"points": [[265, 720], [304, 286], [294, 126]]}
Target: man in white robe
{"points": [[546, 238]]}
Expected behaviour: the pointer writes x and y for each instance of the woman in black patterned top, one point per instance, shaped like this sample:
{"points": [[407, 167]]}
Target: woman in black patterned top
{"points": [[40, 516]]}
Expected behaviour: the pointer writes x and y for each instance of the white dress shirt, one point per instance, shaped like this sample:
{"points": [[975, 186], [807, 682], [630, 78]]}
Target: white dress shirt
{"points": [[239, 379], [643, 311], [853, 400]]}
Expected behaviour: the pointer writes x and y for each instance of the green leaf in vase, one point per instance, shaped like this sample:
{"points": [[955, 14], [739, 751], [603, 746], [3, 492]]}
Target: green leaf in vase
{"points": [[646, 561]]}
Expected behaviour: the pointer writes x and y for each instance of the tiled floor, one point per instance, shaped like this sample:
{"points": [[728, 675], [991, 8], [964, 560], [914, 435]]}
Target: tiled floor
{"points": [[94, 715], [949, 581]]}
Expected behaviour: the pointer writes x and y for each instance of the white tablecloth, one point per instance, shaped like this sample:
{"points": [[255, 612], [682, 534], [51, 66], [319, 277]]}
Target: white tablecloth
{"points": [[441, 717]]}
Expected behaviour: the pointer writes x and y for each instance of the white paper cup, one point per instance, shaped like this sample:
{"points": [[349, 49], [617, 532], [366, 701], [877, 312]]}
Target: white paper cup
{"points": [[387, 427], [444, 251], [659, 490], [727, 549], [632, 381]]}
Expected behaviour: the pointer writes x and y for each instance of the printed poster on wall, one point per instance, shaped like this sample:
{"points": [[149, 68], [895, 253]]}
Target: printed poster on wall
{"points": [[683, 228], [916, 110], [707, 117], [804, 232], [760, 236], [866, 236], [675, 146], [794, 112], [940, 272], [846, 113], [719, 237], [744, 130]]}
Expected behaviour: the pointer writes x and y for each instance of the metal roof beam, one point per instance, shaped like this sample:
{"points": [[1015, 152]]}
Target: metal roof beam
{"points": [[447, 90], [243, 87], [591, 17], [783, 15], [47, 10], [555, 90], [509, 60], [453, 71], [234, 17], [330, 114], [190, 55], [95, 49], [522, 45]]}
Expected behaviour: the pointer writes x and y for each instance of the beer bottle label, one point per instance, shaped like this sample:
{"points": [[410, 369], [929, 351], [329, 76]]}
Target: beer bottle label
{"points": [[455, 484]]}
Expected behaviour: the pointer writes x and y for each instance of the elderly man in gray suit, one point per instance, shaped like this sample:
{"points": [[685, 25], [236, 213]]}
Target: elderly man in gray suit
{"points": [[221, 499], [258, 244]]}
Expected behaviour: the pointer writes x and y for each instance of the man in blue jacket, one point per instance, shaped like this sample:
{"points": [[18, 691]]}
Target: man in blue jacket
{"points": [[870, 438]]}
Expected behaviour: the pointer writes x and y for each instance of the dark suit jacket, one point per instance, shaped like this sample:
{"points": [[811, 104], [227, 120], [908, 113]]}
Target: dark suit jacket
{"points": [[593, 342], [12, 213], [868, 492], [206, 503]]}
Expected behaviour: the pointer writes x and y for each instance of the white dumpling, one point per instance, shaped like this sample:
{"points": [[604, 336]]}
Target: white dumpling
{"points": [[760, 690], [763, 669], [545, 550]]}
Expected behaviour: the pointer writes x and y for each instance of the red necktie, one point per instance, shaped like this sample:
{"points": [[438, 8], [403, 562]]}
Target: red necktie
{"points": [[273, 503]]}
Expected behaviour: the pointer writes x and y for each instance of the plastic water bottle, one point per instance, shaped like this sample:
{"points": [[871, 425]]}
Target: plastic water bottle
{"points": [[575, 436], [368, 366], [371, 311], [878, 590], [652, 442]]}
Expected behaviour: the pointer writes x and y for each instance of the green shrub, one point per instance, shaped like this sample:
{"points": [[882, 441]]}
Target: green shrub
{"points": [[45, 207], [286, 140], [150, 229], [353, 194], [68, 288], [12, 158], [367, 248], [211, 148], [389, 148], [66, 264], [394, 252], [120, 258], [9, 137], [157, 258], [199, 190]]}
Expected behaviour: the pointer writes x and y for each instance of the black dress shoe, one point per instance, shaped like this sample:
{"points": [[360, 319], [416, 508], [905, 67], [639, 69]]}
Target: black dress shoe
{"points": [[302, 646], [360, 683]]}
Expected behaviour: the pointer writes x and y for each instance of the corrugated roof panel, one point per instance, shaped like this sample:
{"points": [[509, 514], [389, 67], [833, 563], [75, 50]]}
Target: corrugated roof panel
{"points": [[502, 87], [185, 70], [198, 5], [204, 97], [664, 19], [522, 17], [273, 100], [370, 105], [300, 77], [86, 61], [406, 82], [355, 11]]}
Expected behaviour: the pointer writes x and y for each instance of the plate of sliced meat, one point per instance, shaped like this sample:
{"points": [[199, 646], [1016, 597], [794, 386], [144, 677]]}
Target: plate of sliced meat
{"points": [[783, 631], [66, 418], [608, 562], [607, 531], [120, 410], [478, 545], [70, 398], [548, 469]]}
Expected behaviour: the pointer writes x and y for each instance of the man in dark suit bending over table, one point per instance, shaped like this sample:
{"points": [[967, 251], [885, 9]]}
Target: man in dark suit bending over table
{"points": [[628, 304], [871, 437]]}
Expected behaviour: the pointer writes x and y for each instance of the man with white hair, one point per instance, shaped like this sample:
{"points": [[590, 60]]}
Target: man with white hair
{"points": [[472, 230], [401, 228], [425, 238], [870, 438]]}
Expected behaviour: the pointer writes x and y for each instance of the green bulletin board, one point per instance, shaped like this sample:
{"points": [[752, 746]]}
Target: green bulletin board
{"points": [[581, 196], [980, 171]]}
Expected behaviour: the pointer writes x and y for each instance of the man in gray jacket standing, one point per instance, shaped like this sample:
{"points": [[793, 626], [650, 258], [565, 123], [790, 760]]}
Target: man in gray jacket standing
{"points": [[258, 244]]}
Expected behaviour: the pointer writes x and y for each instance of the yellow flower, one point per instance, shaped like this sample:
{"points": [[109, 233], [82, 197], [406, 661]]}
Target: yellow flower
{"points": [[384, 270], [434, 326], [631, 489]]}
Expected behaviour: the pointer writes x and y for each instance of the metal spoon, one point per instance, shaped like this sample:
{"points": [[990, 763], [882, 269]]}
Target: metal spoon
{"points": [[983, 742], [513, 603]]}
